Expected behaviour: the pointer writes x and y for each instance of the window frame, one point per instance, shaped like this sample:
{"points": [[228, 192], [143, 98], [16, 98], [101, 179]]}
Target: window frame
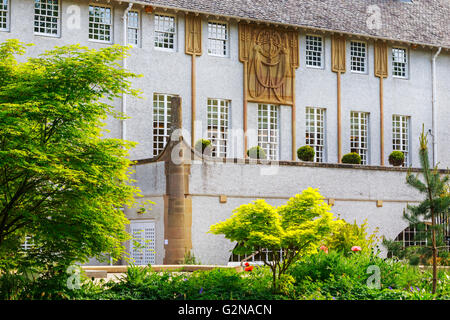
{"points": [[221, 130], [138, 29], [7, 17], [58, 29], [366, 57], [166, 123], [316, 146], [322, 52], [365, 159], [406, 76], [111, 23], [270, 108], [151, 247], [395, 146], [226, 41], [175, 33]]}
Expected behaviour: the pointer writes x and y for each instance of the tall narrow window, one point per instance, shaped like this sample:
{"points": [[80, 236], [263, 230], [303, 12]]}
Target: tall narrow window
{"points": [[133, 27], [142, 244], [315, 132], [400, 136], [268, 136], [314, 51], [165, 32], [4, 15], [218, 118], [359, 135], [217, 39], [100, 23], [358, 56], [161, 121], [399, 62], [46, 17]]}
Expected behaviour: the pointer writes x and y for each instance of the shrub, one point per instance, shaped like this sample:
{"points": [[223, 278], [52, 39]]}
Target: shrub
{"points": [[306, 153], [348, 235], [333, 275], [352, 158], [396, 158], [256, 153], [203, 146], [298, 227]]}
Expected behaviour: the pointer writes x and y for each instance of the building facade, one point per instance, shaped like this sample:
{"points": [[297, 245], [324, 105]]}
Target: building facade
{"points": [[359, 76]]}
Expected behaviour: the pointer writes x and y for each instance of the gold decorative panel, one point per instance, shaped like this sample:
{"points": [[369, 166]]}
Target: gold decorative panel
{"points": [[338, 54], [381, 59], [270, 56], [193, 35]]}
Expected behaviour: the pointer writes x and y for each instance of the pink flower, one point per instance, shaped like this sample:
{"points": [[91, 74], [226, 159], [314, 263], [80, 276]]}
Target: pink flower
{"points": [[324, 249], [356, 248]]}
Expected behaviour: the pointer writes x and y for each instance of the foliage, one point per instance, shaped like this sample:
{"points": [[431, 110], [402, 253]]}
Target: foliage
{"points": [[335, 276], [61, 182], [203, 146], [318, 276], [297, 227], [418, 255], [256, 153], [352, 158], [348, 235], [306, 153], [396, 158]]}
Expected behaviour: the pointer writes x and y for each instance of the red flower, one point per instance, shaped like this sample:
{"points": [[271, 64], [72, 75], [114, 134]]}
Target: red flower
{"points": [[356, 248], [324, 249], [246, 264], [249, 268]]}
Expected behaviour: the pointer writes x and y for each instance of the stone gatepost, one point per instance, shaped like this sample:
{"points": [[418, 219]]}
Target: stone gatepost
{"points": [[178, 203]]}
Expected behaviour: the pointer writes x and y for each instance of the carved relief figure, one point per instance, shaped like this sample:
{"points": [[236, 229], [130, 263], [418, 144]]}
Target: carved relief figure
{"points": [[272, 56]]}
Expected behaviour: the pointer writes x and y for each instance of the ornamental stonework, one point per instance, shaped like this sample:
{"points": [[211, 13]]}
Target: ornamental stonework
{"points": [[270, 58]]}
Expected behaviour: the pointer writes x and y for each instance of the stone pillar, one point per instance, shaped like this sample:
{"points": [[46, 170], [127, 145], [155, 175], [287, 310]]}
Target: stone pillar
{"points": [[178, 205]]}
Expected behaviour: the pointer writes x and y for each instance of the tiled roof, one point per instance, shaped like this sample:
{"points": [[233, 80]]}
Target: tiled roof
{"points": [[417, 21]]}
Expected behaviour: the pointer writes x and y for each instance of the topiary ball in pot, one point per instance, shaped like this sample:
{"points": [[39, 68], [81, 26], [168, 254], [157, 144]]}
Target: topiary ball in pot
{"points": [[256, 153], [306, 153], [396, 158], [203, 146], [351, 158]]}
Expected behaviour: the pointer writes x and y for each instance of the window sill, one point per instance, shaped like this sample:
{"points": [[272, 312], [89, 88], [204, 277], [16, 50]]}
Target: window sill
{"points": [[47, 35]]}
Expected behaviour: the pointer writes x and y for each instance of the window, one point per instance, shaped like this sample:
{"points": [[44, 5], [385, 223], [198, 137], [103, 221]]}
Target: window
{"points": [[142, 244], [161, 121], [412, 236], [46, 17], [218, 119], [268, 130], [399, 62], [314, 51], [262, 255], [358, 56], [100, 24], [165, 32], [315, 132], [4, 15], [359, 132], [133, 27], [217, 39], [400, 136]]}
